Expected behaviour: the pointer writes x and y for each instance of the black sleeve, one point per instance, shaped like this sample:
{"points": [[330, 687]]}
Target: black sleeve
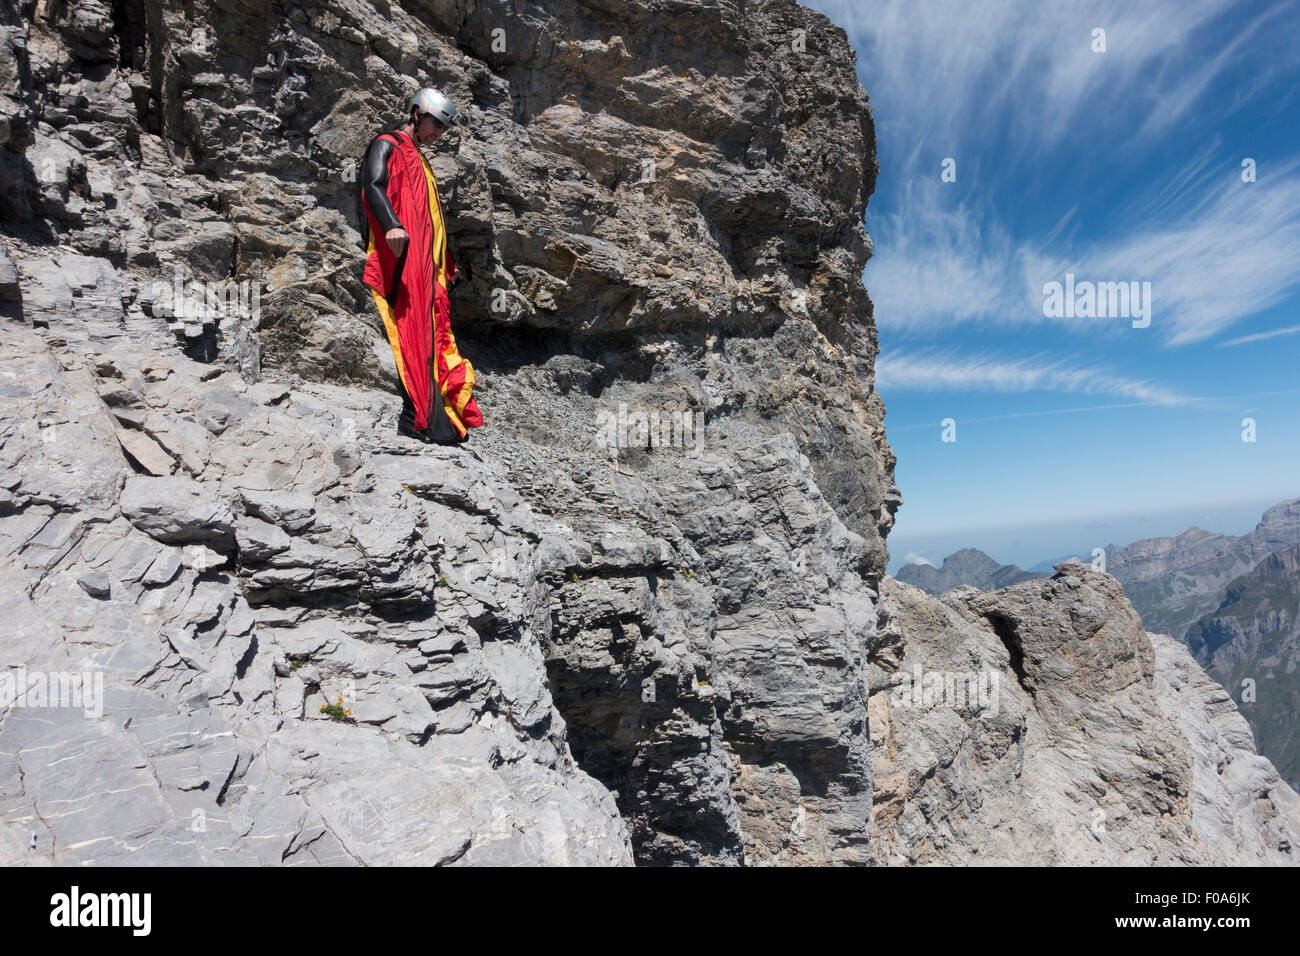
{"points": [[374, 184]]}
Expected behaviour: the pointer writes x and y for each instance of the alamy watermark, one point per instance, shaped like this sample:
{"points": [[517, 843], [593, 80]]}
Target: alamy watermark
{"points": [[649, 428], [23, 688], [129, 910], [207, 301], [977, 692], [1098, 300]]}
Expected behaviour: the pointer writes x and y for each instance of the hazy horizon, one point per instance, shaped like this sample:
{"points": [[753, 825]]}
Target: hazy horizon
{"points": [[1028, 545]]}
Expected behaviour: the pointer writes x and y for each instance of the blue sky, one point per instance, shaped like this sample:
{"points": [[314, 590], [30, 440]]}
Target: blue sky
{"points": [[1115, 166]]}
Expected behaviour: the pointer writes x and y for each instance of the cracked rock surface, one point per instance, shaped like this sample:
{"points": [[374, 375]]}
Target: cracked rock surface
{"points": [[292, 569], [548, 649], [1103, 744]]}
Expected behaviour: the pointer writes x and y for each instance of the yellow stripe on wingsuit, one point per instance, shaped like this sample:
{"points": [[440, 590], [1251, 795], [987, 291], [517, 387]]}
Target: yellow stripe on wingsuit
{"points": [[467, 390], [390, 326], [439, 232]]}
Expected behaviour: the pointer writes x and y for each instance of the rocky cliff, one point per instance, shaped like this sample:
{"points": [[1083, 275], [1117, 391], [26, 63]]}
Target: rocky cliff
{"points": [[1251, 644], [551, 649], [1231, 600], [570, 641], [1174, 581], [1041, 724]]}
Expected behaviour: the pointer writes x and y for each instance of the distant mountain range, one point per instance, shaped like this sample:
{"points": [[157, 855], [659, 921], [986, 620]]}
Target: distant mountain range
{"points": [[1251, 645], [967, 566], [1175, 581], [1232, 599]]}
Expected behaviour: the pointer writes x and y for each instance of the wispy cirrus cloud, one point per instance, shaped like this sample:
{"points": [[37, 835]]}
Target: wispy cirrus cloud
{"points": [[946, 71], [934, 370], [1231, 254], [937, 264], [1261, 336], [1228, 255], [1016, 94]]}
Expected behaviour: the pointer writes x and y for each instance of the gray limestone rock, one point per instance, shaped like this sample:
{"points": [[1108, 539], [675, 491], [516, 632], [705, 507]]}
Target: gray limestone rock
{"points": [[177, 510], [1242, 811], [1041, 724]]}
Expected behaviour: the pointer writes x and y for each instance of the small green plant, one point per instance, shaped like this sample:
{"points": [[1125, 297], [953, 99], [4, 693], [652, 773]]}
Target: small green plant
{"points": [[336, 711], [687, 572], [574, 575]]}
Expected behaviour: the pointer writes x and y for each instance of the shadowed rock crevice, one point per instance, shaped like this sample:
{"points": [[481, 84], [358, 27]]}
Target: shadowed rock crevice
{"points": [[1006, 633], [639, 723]]}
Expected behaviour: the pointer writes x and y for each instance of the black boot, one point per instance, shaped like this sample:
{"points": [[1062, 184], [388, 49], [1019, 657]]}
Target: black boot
{"points": [[406, 423]]}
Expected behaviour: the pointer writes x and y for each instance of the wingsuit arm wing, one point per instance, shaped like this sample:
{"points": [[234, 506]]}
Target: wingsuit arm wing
{"points": [[374, 178]]}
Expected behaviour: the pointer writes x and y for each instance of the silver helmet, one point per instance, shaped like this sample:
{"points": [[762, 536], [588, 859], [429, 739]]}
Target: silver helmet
{"points": [[438, 105]]}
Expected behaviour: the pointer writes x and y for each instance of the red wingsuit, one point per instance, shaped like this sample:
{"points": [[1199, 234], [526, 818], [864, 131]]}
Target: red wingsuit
{"points": [[411, 293]]}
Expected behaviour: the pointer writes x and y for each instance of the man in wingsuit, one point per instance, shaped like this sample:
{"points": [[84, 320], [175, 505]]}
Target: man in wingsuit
{"points": [[409, 271]]}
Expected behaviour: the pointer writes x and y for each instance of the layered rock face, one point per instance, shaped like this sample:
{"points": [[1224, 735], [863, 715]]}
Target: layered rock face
{"points": [[1251, 645], [1041, 724], [969, 566], [669, 196], [554, 647], [1232, 600], [281, 566]]}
